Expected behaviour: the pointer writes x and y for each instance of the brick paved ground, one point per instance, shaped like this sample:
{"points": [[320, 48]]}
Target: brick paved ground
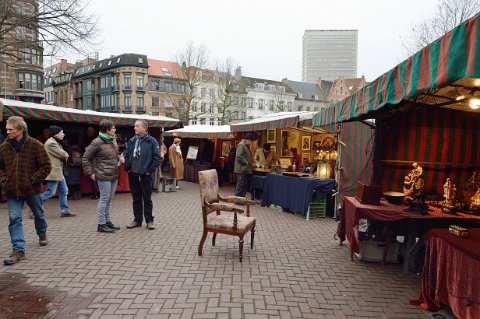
{"points": [[296, 269]]}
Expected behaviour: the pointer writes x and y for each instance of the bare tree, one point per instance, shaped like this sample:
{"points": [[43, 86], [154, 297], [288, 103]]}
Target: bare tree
{"points": [[192, 59], [450, 13], [227, 86], [55, 25]]}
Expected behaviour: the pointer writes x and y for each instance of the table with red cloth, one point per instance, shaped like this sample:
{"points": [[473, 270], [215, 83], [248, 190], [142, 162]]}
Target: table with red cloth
{"points": [[451, 273], [122, 186], [386, 212]]}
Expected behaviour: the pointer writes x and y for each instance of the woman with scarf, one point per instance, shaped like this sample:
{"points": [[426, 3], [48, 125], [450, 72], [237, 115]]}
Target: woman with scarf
{"points": [[176, 160], [101, 163]]}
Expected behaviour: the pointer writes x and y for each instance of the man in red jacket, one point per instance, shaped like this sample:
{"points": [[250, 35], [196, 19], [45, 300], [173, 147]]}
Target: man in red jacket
{"points": [[24, 163]]}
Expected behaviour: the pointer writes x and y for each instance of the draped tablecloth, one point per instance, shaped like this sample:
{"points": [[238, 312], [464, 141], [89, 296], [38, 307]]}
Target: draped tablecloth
{"points": [[294, 193], [451, 273]]}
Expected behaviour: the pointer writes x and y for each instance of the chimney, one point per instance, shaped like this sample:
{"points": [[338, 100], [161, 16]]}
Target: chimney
{"points": [[63, 65], [319, 82], [238, 73]]}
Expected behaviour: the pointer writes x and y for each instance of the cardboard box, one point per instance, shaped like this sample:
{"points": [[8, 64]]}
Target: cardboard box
{"points": [[371, 250], [368, 194]]}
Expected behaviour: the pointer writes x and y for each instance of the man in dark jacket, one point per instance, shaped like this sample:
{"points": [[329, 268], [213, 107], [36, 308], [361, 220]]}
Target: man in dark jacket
{"points": [[142, 158], [24, 163], [243, 165]]}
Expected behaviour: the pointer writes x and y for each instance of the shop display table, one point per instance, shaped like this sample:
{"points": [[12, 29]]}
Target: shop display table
{"points": [[294, 193], [258, 182], [451, 272], [386, 212], [122, 186]]}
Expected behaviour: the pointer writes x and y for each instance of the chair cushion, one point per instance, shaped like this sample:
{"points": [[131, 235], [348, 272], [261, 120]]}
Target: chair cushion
{"points": [[208, 181], [225, 222]]}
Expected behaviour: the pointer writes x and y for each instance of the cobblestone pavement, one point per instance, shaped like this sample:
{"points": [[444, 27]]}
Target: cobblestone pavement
{"points": [[295, 270]]}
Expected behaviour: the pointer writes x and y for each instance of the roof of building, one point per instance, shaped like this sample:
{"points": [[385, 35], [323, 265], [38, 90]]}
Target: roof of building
{"points": [[307, 91], [165, 69], [127, 59], [248, 82]]}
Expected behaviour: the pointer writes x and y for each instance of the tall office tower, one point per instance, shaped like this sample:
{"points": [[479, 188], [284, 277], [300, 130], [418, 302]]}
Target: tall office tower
{"points": [[329, 54]]}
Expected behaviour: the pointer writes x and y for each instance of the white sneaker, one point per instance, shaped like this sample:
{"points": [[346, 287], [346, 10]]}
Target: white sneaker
{"points": [[177, 187]]}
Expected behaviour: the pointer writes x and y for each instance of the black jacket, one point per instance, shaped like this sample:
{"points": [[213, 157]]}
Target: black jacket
{"points": [[149, 156]]}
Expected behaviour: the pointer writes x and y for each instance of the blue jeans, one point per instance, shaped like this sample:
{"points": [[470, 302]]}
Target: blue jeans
{"points": [[15, 207], [62, 193], [107, 192]]}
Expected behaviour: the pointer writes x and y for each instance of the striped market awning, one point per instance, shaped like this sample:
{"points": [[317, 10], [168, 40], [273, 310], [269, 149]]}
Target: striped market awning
{"points": [[53, 113], [275, 120], [454, 56], [202, 131]]}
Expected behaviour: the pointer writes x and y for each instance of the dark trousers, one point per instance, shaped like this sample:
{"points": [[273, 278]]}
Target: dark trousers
{"points": [[243, 184], [141, 189]]}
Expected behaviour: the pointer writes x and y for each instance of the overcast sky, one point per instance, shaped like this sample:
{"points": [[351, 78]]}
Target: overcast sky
{"points": [[264, 37]]}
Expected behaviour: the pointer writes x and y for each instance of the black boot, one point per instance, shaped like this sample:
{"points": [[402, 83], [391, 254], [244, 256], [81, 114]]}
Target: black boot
{"points": [[105, 229], [112, 226]]}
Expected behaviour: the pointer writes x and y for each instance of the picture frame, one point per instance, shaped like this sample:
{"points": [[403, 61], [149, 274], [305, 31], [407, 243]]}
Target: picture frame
{"points": [[271, 135], [290, 138], [285, 161], [306, 143], [317, 145], [192, 152], [226, 147], [305, 158]]}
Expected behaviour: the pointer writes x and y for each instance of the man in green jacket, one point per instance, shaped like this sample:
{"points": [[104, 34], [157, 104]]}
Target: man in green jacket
{"points": [[24, 163], [243, 165]]}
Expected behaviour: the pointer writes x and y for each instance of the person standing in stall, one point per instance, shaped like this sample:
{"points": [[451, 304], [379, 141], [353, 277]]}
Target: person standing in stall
{"points": [[243, 165], [176, 160], [101, 162], [24, 163], [142, 158], [58, 157]]}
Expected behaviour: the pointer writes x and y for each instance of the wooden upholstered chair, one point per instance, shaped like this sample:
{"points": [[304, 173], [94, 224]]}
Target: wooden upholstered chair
{"points": [[232, 221]]}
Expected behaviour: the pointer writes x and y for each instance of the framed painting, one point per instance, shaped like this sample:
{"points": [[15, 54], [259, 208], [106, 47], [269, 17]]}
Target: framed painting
{"points": [[226, 147], [289, 140], [317, 144], [271, 135], [285, 162], [306, 143], [305, 158]]}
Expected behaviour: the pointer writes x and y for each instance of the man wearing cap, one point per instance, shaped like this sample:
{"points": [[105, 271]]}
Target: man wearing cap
{"points": [[243, 165], [264, 157], [55, 179]]}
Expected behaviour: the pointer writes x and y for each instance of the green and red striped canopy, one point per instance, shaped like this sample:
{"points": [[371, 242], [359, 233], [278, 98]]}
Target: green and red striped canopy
{"points": [[53, 113], [275, 120], [453, 56], [202, 131]]}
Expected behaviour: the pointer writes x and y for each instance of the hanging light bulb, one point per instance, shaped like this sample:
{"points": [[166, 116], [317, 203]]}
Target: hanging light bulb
{"points": [[474, 103]]}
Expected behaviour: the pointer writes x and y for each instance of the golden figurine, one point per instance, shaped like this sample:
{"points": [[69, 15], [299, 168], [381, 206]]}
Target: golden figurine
{"points": [[413, 182], [471, 186], [449, 192], [475, 201]]}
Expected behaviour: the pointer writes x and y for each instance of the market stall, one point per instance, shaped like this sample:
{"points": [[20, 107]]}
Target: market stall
{"points": [[204, 147], [81, 126], [419, 121]]}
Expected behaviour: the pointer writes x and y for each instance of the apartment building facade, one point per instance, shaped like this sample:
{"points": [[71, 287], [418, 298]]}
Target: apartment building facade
{"points": [[57, 85], [342, 88], [117, 84], [310, 97], [21, 58], [329, 54]]}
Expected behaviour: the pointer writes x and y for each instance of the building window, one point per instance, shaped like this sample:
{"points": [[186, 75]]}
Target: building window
{"points": [[155, 101], [259, 86], [139, 81], [289, 106], [193, 122], [212, 93], [106, 81], [168, 87], [168, 103], [308, 108], [243, 115], [300, 108], [140, 105], [202, 121], [128, 101], [244, 101], [203, 107], [194, 106], [261, 103], [210, 109], [203, 92], [250, 102], [235, 100], [127, 81], [212, 121]]}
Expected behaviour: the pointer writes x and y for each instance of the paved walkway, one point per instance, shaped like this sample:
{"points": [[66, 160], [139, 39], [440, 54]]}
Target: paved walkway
{"points": [[296, 269]]}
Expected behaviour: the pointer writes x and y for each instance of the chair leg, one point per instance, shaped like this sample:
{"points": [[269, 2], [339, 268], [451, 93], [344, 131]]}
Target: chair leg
{"points": [[214, 238], [240, 247], [252, 237], [202, 241]]}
